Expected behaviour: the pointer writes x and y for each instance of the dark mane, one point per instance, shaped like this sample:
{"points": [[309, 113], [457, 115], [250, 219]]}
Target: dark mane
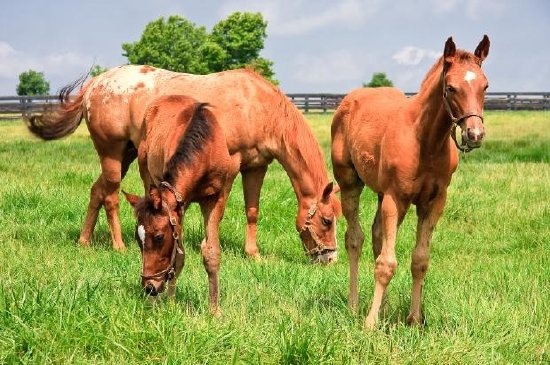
{"points": [[196, 135]]}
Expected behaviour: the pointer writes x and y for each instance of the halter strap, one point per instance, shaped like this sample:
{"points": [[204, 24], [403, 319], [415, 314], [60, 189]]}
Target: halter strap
{"points": [[463, 146], [321, 247], [169, 273]]}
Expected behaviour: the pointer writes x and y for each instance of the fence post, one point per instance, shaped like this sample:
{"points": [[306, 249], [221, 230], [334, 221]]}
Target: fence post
{"points": [[306, 104]]}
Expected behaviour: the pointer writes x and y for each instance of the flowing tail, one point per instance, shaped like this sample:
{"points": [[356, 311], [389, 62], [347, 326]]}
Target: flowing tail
{"points": [[64, 119]]}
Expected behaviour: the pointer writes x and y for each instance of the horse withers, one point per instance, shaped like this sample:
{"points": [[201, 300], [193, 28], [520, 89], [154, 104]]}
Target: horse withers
{"points": [[404, 150], [182, 158]]}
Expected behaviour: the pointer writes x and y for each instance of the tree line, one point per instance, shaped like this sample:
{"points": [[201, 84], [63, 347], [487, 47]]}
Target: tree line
{"points": [[177, 44]]}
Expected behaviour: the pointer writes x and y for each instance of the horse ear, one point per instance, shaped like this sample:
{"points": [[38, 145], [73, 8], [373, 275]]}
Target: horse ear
{"points": [[154, 194], [449, 51], [131, 198], [482, 50], [326, 192]]}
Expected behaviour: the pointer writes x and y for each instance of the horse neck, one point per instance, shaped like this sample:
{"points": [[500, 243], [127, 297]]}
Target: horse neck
{"points": [[300, 155], [434, 123]]}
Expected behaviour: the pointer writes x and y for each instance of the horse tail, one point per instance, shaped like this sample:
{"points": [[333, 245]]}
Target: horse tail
{"points": [[65, 118]]}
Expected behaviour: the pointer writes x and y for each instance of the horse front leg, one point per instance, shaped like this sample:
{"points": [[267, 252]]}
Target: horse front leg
{"points": [[428, 215], [252, 184], [391, 213], [212, 211]]}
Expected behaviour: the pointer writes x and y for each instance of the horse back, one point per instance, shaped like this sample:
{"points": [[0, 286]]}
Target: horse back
{"points": [[369, 132]]}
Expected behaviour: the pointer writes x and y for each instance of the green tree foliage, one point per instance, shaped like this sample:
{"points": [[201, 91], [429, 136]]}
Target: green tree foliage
{"points": [[97, 70], [378, 79], [179, 45], [32, 83]]}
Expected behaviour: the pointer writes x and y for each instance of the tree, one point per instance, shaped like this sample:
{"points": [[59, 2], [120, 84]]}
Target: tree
{"points": [[32, 83], [242, 36], [378, 79], [177, 44], [97, 70]]}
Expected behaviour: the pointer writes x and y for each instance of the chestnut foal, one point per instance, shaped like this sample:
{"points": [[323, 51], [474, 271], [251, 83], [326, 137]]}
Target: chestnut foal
{"points": [[402, 148], [183, 158]]}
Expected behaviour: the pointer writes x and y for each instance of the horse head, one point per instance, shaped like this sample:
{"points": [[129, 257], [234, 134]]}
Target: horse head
{"points": [[318, 227], [158, 234], [464, 85]]}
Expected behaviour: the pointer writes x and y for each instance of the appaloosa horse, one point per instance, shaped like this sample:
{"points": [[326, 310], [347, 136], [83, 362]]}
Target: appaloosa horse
{"points": [[183, 158], [402, 148], [259, 122]]}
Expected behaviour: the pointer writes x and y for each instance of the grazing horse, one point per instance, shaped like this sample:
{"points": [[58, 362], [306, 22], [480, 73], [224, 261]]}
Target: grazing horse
{"points": [[402, 148], [182, 158], [259, 122]]}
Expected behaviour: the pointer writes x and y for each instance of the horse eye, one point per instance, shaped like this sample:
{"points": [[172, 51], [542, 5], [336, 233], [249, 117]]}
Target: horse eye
{"points": [[451, 89], [326, 221], [159, 238]]}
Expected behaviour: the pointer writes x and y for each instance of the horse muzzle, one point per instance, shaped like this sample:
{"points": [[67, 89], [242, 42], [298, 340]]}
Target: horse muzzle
{"points": [[473, 137], [153, 288], [327, 256]]}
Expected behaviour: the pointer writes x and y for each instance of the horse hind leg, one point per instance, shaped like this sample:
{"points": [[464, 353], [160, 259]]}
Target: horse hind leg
{"points": [[105, 192], [420, 258]]}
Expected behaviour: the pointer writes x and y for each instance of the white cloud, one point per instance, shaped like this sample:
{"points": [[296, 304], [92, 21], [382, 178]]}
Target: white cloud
{"points": [[474, 9], [413, 55], [58, 68], [13, 62], [336, 66], [298, 17]]}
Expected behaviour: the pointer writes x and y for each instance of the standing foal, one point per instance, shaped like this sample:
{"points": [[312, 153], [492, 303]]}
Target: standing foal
{"points": [[402, 148]]}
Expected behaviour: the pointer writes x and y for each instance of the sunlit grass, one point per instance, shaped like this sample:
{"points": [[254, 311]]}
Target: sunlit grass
{"points": [[487, 297]]}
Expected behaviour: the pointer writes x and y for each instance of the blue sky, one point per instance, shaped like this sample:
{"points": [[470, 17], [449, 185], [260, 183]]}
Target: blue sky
{"points": [[317, 46]]}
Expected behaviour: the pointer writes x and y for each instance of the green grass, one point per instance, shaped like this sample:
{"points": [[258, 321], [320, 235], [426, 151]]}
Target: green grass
{"points": [[486, 298]]}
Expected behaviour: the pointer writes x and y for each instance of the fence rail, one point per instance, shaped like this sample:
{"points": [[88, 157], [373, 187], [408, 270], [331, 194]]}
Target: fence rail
{"points": [[493, 101], [14, 107]]}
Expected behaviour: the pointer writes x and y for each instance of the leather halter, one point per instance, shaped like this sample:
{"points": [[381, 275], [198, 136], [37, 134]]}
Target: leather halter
{"points": [[321, 247], [170, 272], [463, 146]]}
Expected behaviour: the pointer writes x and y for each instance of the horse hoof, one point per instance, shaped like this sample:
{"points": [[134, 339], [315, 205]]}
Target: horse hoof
{"points": [[216, 312], [416, 320], [370, 324]]}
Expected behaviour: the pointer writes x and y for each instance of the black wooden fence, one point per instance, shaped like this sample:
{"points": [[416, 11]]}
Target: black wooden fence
{"points": [[493, 101], [13, 107]]}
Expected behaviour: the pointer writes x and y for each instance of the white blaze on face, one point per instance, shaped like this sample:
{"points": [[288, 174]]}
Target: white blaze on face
{"points": [[469, 76], [141, 234]]}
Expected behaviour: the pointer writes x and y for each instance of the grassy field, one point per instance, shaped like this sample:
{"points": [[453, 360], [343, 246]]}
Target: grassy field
{"points": [[487, 294]]}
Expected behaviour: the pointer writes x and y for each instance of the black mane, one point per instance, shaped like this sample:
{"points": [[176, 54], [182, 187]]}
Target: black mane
{"points": [[195, 137]]}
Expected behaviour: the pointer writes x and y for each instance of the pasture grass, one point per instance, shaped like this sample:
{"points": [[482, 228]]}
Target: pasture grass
{"points": [[486, 296]]}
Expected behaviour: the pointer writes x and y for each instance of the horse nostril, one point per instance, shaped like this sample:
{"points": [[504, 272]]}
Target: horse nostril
{"points": [[150, 290], [475, 135]]}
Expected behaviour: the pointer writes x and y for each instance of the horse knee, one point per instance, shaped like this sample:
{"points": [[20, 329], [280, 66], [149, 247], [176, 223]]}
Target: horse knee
{"points": [[354, 238], [111, 202], [384, 269], [252, 215], [419, 264], [211, 257]]}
